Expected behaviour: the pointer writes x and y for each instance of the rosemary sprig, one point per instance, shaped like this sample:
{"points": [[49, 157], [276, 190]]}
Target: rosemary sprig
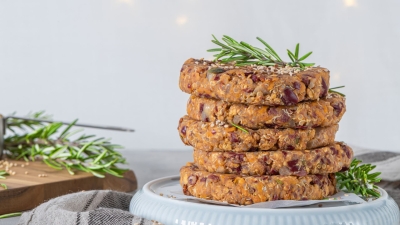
{"points": [[243, 53], [359, 180], [332, 90], [239, 127], [55, 146]]}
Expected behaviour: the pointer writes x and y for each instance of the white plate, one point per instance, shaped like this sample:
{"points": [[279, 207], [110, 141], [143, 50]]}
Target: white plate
{"points": [[148, 203]]}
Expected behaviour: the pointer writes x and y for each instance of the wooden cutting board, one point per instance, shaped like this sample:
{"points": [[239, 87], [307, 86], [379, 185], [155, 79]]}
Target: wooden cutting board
{"points": [[26, 189]]}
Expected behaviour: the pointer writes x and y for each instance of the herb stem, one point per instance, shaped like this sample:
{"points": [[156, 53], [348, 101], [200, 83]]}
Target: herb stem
{"points": [[239, 127], [10, 215]]}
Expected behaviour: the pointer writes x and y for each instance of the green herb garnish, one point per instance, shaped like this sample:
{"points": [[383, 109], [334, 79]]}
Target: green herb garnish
{"points": [[3, 173], [359, 180], [239, 127], [4, 186], [333, 91], [245, 54], [50, 142]]}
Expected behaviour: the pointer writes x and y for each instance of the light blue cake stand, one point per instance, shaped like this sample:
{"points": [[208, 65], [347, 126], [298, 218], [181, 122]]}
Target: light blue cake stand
{"points": [[148, 203]]}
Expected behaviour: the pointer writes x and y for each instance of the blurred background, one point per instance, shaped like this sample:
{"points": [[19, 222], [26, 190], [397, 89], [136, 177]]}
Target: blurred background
{"points": [[117, 62]]}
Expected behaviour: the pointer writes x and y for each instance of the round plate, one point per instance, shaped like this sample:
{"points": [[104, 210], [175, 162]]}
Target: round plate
{"points": [[149, 204]]}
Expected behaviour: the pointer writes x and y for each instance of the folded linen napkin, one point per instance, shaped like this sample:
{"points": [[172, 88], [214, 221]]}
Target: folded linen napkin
{"points": [[110, 207]]}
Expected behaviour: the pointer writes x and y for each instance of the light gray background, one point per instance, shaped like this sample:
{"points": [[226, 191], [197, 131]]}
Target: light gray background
{"points": [[117, 62]]}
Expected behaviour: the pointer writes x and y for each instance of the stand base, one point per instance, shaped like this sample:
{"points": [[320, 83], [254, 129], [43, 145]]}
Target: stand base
{"points": [[149, 204]]}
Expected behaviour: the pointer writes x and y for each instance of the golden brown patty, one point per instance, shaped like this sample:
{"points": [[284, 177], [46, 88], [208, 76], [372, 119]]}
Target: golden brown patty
{"points": [[214, 137], [245, 190], [331, 159], [253, 84], [322, 113]]}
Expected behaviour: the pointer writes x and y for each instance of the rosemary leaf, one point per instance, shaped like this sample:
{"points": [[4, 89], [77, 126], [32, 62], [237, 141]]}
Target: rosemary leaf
{"points": [[305, 56], [10, 215], [332, 90], [239, 127], [296, 52]]}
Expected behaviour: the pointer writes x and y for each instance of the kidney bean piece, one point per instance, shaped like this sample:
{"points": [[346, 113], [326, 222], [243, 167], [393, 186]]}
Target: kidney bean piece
{"points": [[192, 179], [185, 190], [344, 168], [301, 173], [234, 138], [306, 79], [213, 132], [183, 130], [324, 88], [238, 158], [254, 78], [289, 97], [346, 150], [272, 111], [289, 147], [316, 180], [273, 172], [201, 107], [292, 163], [237, 170], [203, 179], [284, 118], [337, 108], [213, 178], [296, 85]]}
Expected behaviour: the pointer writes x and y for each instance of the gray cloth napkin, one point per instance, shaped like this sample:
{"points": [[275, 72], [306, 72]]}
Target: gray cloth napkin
{"points": [[110, 207], [88, 207]]}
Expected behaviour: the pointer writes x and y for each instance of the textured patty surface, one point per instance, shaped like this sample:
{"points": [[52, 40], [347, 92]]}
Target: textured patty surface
{"points": [[322, 113], [245, 190], [216, 137], [258, 85], [331, 159]]}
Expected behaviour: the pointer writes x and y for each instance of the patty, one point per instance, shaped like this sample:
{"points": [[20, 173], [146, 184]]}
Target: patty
{"points": [[330, 159], [212, 136], [260, 85], [245, 190], [322, 113]]}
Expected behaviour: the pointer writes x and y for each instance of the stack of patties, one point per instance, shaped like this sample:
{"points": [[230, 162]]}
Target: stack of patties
{"points": [[260, 133]]}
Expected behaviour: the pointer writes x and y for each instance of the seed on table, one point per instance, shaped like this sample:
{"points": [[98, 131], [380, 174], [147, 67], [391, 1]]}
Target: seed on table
{"points": [[26, 172]]}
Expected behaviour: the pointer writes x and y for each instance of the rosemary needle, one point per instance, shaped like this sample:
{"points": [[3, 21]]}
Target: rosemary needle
{"points": [[10, 215], [239, 127], [332, 90]]}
